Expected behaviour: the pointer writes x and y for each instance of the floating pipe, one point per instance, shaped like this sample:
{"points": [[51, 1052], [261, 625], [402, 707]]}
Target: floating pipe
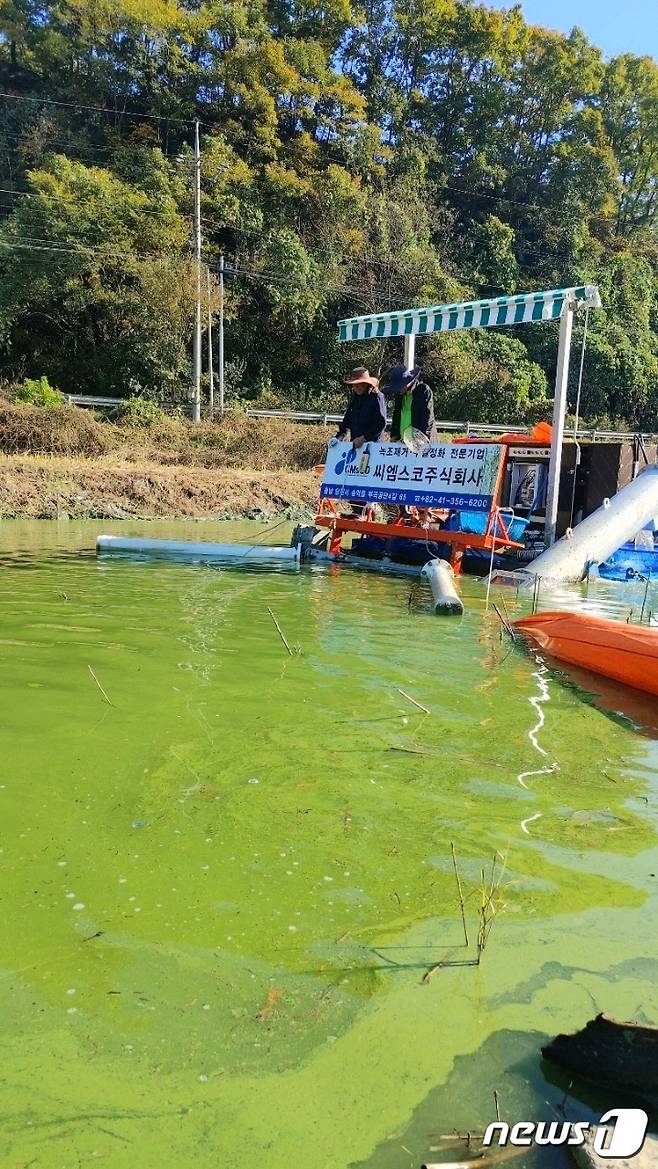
{"points": [[441, 580], [602, 533], [246, 553]]}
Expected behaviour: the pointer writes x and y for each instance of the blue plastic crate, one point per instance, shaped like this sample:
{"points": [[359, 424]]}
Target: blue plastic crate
{"points": [[476, 523]]}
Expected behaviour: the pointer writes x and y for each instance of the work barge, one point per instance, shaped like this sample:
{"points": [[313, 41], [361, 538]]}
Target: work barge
{"points": [[538, 503]]}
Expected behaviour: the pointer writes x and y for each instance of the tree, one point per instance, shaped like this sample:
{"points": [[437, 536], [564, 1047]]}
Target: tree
{"points": [[629, 106], [355, 158], [93, 293]]}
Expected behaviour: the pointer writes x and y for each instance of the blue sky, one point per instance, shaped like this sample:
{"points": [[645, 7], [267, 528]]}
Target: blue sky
{"points": [[616, 26]]}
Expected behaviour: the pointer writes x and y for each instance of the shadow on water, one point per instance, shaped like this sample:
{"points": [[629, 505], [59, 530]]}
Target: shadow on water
{"points": [[508, 1064], [589, 1099]]}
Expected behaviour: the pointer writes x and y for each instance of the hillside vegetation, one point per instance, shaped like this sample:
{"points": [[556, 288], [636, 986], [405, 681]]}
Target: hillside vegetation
{"points": [[237, 441], [355, 158], [59, 461]]}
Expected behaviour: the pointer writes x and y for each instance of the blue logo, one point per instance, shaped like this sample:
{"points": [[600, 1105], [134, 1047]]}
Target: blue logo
{"points": [[345, 461]]}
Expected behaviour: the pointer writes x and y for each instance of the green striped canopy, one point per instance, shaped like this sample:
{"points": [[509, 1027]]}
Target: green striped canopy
{"points": [[473, 314]]}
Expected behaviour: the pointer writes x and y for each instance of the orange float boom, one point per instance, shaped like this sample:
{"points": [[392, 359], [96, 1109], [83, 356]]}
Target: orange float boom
{"points": [[625, 653]]}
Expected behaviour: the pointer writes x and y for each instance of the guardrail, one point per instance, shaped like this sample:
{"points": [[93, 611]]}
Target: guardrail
{"points": [[442, 424], [93, 401], [467, 428]]}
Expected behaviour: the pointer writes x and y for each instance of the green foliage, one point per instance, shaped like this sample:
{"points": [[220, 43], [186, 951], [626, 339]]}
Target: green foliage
{"points": [[481, 375], [138, 411], [354, 159], [38, 392]]}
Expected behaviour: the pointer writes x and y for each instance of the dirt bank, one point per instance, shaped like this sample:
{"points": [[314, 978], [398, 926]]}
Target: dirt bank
{"points": [[107, 487]]}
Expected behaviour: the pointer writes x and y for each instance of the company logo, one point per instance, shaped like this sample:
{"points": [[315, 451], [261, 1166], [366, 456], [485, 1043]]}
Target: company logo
{"points": [[345, 461], [619, 1133]]}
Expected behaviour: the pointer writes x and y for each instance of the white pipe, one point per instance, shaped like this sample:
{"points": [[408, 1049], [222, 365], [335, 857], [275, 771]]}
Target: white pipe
{"points": [[603, 532], [559, 412], [248, 553], [441, 580], [409, 350]]}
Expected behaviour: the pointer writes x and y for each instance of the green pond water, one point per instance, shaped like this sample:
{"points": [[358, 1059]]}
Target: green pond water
{"points": [[221, 892]]}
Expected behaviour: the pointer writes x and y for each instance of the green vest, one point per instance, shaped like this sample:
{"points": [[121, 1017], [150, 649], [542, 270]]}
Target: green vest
{"points": [[405, 414]]}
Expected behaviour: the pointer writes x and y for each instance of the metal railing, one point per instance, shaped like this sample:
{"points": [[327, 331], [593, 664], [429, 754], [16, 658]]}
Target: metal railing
{"points": [[93, 401], [442, 424], [467, 428]]}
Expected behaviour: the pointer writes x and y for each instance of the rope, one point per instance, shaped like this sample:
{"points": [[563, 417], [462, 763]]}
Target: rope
{"points": [[499, 512], [493, 548], [577, 413], [580, 372]]}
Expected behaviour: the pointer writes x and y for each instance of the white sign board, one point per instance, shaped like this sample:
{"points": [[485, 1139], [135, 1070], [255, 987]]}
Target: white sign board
{"points": [[446, 475]]}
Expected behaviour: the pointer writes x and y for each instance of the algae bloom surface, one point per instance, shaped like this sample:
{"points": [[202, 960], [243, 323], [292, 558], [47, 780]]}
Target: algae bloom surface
{"points": [[225, 870]]}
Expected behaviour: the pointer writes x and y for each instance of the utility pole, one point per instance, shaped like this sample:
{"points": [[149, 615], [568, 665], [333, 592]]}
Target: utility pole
{"points": [[221, 336], [211, 374], [196, 399]]}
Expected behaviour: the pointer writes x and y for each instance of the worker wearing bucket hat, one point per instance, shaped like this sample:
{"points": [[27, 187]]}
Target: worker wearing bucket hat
{"points": [[365, 417], [413, 409]]}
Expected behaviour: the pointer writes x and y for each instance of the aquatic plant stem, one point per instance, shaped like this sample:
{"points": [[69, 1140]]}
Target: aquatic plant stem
{"points": [[103, 692], [412, 700], [460, 892], [280, 632]]}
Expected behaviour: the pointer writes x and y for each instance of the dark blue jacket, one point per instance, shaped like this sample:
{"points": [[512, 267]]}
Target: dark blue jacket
{"points": [[366, 415]]}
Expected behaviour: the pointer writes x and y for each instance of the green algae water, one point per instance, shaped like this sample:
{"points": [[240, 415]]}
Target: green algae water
{"points": [[226, 870]]}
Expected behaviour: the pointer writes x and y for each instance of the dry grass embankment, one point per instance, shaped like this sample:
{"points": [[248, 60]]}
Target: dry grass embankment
{"points": [[64, 461]]}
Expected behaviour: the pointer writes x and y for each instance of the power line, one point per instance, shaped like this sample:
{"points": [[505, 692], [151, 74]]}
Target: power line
{"points": [[323, 148], [81, 146], [34, 244], [25, 139], [71, 105], [345, 162], [176, 160], [42, 215], [517, 202], [265, 277], [78, 201], [41, 244]]}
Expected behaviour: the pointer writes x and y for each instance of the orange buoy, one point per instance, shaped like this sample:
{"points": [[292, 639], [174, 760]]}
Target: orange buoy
{"points": [[626, 653]]}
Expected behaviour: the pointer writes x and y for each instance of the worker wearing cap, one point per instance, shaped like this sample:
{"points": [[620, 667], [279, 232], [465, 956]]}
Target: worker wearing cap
{"points": [[365, 417], [413, 408]]}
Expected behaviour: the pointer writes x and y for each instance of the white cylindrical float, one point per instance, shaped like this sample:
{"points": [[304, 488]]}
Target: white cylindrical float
{"points": [[235, 553], [441, 580]]}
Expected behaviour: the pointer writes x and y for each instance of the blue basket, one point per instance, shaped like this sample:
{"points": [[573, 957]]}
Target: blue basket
{"points": [[476, 522]]}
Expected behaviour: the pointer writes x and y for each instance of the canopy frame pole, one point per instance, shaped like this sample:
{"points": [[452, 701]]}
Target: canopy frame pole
{"points": [[409, 350], [559, 413]]}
